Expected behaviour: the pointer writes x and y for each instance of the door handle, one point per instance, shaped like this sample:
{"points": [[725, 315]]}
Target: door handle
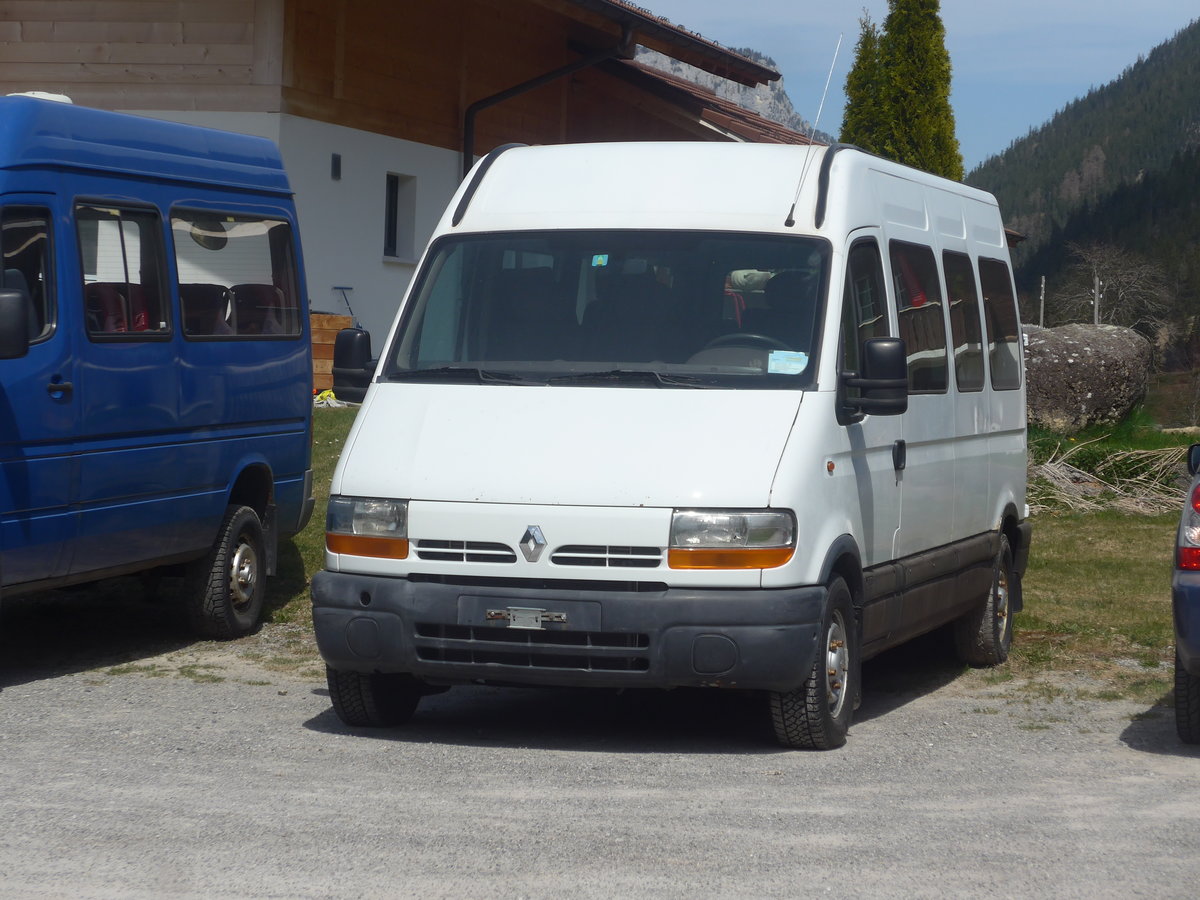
{"points": [[59, 387], [899, 455]]}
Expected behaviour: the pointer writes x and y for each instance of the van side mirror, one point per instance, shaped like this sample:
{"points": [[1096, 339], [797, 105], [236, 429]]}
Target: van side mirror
{"points": [[1193, 459], [14, 324], [883, 379]]}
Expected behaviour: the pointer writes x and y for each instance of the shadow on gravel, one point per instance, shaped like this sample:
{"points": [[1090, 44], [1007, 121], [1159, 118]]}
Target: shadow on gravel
{"points": [[1153, 731], [109, 623], [683, 721]]}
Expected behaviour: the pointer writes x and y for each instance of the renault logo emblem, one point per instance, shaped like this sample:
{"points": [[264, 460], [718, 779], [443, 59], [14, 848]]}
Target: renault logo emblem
{"points": [[533, 543]]}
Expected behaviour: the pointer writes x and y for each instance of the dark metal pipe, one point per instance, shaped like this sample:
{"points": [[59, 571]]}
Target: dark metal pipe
{"points": [[624, 49]]}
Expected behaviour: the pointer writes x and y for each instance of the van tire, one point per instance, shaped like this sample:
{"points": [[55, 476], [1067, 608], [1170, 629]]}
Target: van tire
{"points": [[372, 699], [223, 591], [1187, 703], [816, 715], [984, 635]]}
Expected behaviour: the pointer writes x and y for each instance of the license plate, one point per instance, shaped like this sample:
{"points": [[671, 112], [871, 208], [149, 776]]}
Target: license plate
{"points": [[526, 617]]}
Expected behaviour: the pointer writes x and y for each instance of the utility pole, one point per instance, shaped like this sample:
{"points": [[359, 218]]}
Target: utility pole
{"points": [[1042, 304], [1096, 298]]}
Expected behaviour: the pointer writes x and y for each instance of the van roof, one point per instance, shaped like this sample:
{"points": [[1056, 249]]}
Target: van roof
{"points": [[704, 186], [42, 134]]}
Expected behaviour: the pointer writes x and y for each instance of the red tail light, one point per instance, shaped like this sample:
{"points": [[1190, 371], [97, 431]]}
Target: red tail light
{"points": [[1196, 497], [1188, 558]]}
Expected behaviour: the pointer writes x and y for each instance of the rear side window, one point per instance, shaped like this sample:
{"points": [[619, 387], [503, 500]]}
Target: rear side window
{"points": [[1003, 330], [963, 301], [919, 305], [237, 276], [121, 251], [26, 264]]}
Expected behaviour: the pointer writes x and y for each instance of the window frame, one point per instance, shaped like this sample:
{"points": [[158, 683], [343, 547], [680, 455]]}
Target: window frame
{"points": [[49, 270]]}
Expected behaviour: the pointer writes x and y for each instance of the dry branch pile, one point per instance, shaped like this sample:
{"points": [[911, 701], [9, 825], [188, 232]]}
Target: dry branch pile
{"points": [[1147, 482]]}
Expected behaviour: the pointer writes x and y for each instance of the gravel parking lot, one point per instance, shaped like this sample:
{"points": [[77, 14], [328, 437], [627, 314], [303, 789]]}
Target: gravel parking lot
{"points": [[138, 765]]}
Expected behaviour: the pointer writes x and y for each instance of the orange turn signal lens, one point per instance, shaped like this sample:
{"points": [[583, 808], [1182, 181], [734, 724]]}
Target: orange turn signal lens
{"points": [[734, 558], [359, 545]]}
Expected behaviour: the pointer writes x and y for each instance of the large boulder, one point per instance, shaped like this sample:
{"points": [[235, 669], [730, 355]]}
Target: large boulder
{"points": [[1081, 375]]}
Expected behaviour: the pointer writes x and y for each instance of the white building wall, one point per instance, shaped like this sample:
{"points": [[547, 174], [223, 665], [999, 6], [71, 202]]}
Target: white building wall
{"points": [[342, 220]]}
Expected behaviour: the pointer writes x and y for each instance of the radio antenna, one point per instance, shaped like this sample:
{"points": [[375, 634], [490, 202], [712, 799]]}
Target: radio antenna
{"points": [[812, 130]]}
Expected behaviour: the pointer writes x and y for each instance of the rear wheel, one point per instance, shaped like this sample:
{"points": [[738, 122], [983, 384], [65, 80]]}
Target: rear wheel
{"points": [[1187, 704], [984, 635], [373, 699], [816, 715], [223, 592]]}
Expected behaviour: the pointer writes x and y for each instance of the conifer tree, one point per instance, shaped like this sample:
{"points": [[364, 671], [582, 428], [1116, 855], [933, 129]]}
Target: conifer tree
{"points": [[910, 109], [863, 119]]}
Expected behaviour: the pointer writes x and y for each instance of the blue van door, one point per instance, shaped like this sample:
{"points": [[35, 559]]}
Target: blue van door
{"points": [[39, 405], [130, 476]]}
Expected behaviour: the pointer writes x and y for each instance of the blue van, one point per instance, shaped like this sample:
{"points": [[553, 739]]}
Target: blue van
{"points": [[155, 358]]}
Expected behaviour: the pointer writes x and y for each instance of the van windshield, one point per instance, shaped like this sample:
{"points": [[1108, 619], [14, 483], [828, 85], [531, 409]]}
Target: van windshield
{"points": [[638, 308]]}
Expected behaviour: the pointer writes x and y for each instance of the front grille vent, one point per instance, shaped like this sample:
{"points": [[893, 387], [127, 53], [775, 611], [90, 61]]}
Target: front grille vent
{"points": [[607, 557], [587, 651], [465, 551]]}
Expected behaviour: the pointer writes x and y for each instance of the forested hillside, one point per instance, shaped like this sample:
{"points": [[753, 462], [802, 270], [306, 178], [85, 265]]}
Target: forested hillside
{"points": [[1115, 173]]}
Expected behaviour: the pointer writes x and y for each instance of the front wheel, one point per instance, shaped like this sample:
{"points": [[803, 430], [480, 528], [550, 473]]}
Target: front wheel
{"points": [[984, 635], [816, 715], [223, 592], [372, 699]]}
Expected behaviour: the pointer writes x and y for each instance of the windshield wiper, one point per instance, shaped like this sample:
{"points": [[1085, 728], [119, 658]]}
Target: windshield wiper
{"points": [[629, 376], [462, 374]]}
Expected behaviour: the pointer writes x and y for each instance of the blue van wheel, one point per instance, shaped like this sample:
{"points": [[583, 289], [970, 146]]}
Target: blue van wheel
{"points": [[223, 591]]}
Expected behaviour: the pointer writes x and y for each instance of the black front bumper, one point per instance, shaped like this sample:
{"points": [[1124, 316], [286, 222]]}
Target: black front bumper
{"points": [[672, 637]]}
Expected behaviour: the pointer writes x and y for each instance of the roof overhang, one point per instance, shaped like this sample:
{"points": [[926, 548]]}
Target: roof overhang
{"points": [[611, 17]]}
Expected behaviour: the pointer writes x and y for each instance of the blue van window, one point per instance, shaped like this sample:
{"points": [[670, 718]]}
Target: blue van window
{"points": [[237, 276], [122, 255], [26, 264]]}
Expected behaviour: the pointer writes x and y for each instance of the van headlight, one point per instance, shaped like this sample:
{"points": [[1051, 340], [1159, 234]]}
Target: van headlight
{"points": [[731, 538], [367, 526]]}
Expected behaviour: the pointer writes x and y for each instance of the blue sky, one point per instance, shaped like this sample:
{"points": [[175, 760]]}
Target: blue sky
{"points": [[1016, 62]]}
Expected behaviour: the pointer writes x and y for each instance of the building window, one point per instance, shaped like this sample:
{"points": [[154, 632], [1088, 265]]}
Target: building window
{"points": [[399, 217]]}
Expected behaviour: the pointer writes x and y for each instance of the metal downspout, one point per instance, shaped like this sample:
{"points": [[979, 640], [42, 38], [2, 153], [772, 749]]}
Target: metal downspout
{"points": [[624, 49]]}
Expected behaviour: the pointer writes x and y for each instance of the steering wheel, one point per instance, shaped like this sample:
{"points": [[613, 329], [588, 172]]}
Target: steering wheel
{"points": [[746, 339]]}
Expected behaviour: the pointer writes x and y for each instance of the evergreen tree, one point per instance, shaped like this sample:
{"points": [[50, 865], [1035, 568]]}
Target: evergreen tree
{"points": [[902, 76], [863, 118]]}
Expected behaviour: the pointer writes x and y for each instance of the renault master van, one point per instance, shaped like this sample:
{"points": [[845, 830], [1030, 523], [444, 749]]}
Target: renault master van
{"points": [[155, 366], [660, 415]]}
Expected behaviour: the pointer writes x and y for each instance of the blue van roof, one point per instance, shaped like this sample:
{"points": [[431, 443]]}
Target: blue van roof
{"points": [[37, 133]]}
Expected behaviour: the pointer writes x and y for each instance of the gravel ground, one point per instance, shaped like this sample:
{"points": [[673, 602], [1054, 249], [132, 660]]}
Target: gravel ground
{"points": [[134, 764]]}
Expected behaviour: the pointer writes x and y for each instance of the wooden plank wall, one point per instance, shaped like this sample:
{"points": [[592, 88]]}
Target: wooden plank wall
{"points": [[146, 54]]}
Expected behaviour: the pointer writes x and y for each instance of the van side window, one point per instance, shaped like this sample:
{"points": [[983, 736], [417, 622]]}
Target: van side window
{"points": [[919, 304], [237, 276], [1003, 332], [864, 305], [963, 300], [26, 264], [122, 256]]}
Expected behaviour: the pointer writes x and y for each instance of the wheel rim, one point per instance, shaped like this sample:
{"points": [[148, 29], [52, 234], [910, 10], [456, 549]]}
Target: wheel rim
{"points": [[243, 575], [1001, 601], [837, 664]]}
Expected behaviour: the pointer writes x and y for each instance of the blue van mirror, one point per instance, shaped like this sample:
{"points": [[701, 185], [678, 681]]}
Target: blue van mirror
{"points": [[14, 324]]}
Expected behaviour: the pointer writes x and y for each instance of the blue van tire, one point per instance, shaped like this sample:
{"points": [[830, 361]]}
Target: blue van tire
{"points": [[372, 699], [816, 715], [223, 591], [983, 636]]}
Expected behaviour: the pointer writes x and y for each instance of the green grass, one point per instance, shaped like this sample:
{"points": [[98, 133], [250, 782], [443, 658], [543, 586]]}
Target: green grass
{"points": [[287, 593], [1098, 602]]}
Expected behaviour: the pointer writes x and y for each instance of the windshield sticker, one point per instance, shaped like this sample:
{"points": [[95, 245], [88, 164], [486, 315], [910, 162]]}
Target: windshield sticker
{"points": [[786, 362], [599, 260]]}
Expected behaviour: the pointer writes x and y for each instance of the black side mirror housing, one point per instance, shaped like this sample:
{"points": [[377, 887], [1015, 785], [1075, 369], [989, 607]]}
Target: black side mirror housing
{"points": [[14, 324], [1193, 459], [883, 379]]}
